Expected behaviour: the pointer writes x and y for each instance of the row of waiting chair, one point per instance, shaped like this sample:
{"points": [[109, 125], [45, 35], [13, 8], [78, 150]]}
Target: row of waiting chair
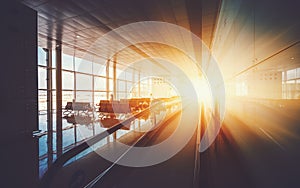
{"points": [[124, 106]]}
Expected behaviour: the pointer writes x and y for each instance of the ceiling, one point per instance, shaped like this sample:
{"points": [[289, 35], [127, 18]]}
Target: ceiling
{"points": [[241, 34], [77, 25]]}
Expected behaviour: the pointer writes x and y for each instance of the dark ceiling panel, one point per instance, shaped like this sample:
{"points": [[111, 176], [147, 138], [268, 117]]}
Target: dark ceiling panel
{"points": [[35, 3], [77, 24]]}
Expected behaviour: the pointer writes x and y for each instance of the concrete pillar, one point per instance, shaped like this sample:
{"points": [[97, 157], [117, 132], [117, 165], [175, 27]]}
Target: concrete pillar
{"points": [[59, 138]]}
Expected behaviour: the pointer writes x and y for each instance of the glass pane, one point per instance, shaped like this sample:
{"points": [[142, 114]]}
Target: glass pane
{"points": [[67, 80], [42, 78], [99, 69], [54, 100], [53, 78], [290, 89], [121, 86], [83, 82], [120, 74], [99, 96], [42, 100], [136, 76], [129, 86], [111, 84], [83, 66], [67, 62], [42, 57], [100, 83], [68, 137], [129, 75], [84, 96], [134, 91], [111, 71], [53, 58], [298, 85], [121, 95], [67, 96], [298, 72], [290, 82], [291, 74]]}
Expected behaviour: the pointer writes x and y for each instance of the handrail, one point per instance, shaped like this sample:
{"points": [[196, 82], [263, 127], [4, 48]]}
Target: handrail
{"points": [[60, 161]]}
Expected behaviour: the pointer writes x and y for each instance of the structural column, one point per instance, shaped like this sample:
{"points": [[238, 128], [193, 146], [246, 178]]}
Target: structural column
{"points": [[75, 87], [285, 85], [139, 86], [19, 158], [58, 102], [107, 79], [115, 77], [107, 86], [115, 87], [49, 107]]}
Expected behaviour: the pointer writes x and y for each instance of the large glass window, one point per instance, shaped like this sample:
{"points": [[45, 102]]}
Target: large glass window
{"points": [[298, 85], [54, 100], [53, 59], [128, 75], [84, 82], [121, 95], [42, 100], [41, 57], [67, 80], [111, 70], [67, 96], [99, 69], [84, 96], [83, 66], [129, 86], [67, 62], [99, 84], [53, 78], [291, 74], [42, 78], [121, 86], [136, 77], [111, 84], [99, 96], [298, 72], [120, 74], [291, 88]]}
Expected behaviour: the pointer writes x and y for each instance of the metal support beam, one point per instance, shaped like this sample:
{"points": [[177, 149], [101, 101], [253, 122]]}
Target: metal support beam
{"points": [[139, 86], [133, 91], [58, 101], [93, 87], [49, 107], [75, 88], [115, 86], [107, 79], [285, 85], [115, 77]]}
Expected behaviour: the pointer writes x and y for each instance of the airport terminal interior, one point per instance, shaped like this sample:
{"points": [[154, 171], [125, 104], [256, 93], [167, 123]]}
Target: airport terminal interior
{"points": [[150, 93]]}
